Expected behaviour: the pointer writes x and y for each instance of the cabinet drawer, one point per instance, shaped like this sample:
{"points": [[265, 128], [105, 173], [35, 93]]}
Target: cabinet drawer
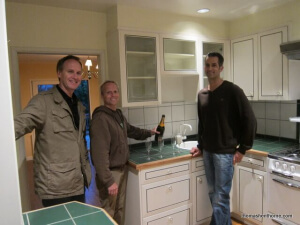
{"points": [[256, 162], [178, 216], [166, 172], [197, 164], [164, 195]]}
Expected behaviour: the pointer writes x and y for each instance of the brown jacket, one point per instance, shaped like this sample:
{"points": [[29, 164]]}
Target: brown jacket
{"points": [[109, 147], [61, 165]]}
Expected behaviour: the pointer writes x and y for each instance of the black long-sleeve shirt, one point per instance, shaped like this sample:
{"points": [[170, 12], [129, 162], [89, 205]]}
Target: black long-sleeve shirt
{"points": [[226, 120]]}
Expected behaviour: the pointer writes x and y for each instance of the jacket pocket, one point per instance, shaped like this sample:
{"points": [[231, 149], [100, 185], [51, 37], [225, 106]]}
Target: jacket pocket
{"points": [[63, 178], [62, 121]]}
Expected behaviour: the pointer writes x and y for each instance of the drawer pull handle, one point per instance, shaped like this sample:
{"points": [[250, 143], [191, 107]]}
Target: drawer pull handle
{"points": [[199, 180], [170, 219], [170, 188], [259, 178]]}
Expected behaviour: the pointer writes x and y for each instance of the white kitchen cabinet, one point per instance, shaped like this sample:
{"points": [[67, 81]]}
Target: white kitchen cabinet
{"points": [[133, 63], [244, 65], [272, 64], [159, 195], [259, 67], [250, 189], [179, 66], [202, 209], [179, 55]]}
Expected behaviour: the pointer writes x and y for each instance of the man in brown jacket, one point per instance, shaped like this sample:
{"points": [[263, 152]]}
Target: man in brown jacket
{"points": [[110, 152], [61, 165]]}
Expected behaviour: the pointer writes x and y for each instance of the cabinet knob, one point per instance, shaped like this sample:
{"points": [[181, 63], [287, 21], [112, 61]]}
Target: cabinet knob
{"points": [[199, 180], [169, 171], [260, 178], [170, 188], [170, 219], [250, 160]]}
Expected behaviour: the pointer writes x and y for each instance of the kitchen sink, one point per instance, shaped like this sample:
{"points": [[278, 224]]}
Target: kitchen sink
{"points": [[187, 145]]}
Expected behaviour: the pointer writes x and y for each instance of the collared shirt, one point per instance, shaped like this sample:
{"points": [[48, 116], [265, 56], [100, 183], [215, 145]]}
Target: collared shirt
{"points": [[72, 103]]}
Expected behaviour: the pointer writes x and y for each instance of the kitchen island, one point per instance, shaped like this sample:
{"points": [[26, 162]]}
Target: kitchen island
{"points": [[173, 190]]}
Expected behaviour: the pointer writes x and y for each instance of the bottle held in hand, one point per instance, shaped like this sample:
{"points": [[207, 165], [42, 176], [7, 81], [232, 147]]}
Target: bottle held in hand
{"points": [[160, 128]]}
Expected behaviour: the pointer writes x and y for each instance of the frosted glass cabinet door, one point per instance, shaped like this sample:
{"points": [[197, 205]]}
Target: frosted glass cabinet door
{"points": [[141, 68], [179, 55]]}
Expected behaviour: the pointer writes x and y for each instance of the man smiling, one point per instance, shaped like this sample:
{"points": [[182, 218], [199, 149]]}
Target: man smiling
{"points": [[61, 165], [110, 152]]}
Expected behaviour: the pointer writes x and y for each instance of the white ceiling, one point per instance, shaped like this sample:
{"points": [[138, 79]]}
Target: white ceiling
{"points": [[220, 9]]}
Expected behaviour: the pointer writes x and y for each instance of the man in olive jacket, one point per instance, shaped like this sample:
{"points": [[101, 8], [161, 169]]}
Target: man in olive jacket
{"points": [[61, 164]]}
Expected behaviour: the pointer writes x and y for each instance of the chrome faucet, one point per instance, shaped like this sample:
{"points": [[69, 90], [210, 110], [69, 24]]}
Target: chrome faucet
{"points": [[183, 128]]}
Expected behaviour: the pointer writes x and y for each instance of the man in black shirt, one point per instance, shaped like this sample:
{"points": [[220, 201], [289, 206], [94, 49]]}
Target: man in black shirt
{"points": [[226, 130]]}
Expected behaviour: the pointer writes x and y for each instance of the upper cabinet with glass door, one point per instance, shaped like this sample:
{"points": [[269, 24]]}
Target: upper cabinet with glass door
{"points": [[133, 63], [141, 68], [179, 55]]}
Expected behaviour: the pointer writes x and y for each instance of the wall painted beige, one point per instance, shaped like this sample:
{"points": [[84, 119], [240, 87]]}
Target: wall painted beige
{"points": [[162, 22], [40, 26], [31, 26], [287, 14]]}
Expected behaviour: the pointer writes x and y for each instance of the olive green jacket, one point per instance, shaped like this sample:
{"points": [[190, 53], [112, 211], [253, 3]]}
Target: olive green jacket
{"points": [[61, 162]]}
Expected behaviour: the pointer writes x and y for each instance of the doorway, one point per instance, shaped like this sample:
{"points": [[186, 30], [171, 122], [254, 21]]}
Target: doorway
{"points": [[43, 72]]}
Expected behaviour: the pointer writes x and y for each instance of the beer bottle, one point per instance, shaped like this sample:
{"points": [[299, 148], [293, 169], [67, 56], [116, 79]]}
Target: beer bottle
{"points": [[160, 128]]}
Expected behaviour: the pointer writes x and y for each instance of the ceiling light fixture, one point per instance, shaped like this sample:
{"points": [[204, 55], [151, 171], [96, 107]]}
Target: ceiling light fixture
{"points": [[204, 10], [89, 73]]}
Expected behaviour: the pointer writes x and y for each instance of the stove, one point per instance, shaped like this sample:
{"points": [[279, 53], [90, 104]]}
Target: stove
{"points": [[284, 186], [291, 154], [285, 163]]}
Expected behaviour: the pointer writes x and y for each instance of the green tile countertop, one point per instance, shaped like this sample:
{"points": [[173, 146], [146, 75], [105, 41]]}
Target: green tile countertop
{"points": [[67, 214], [139, 159], [264, 146]]}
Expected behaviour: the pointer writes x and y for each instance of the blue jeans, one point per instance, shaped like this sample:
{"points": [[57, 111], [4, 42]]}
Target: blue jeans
{"points": [[219, 173]]}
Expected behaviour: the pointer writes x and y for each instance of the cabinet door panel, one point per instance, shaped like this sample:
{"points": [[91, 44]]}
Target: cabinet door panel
{"points": [[203, 209], [271, 64], [251, 193], [244, 64], [273, 77]]}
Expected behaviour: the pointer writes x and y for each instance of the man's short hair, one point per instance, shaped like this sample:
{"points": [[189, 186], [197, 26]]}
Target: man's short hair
{"points": [[218, 55], [107, 82], [60, 63]]}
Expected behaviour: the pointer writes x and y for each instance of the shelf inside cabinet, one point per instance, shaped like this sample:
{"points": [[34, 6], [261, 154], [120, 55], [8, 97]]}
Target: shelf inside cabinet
{"points": [[137, 53], [141, 78], [178, 55]]}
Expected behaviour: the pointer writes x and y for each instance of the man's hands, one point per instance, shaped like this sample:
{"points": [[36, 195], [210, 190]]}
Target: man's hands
{"points": [[237, 157], [195, 152], [113, 189]]}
